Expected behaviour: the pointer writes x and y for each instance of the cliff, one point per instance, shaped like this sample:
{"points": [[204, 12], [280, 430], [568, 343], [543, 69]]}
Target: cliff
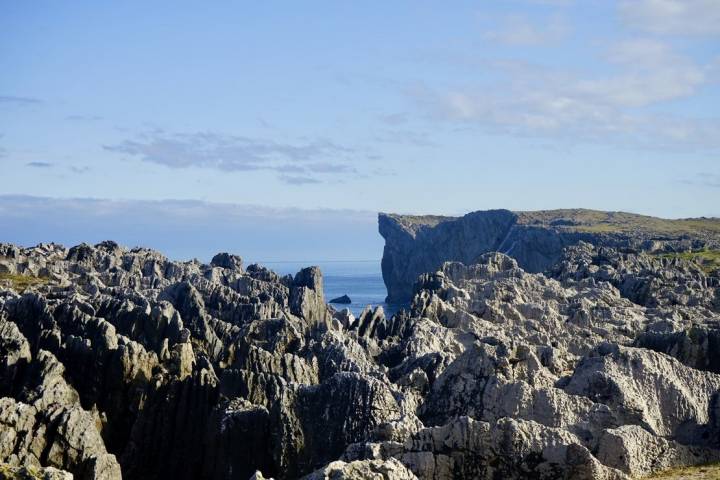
{"points": [[419, 244]]}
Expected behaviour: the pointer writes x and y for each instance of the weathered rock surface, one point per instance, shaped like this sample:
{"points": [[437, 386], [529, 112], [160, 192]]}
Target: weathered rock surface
{"points": [[390, 469], [126, 364], [419, 244], [9, 472]]}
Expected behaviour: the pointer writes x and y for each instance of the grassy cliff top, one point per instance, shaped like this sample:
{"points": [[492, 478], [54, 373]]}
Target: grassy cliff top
{"points": [[595, 221], [591, 221], [413, 220]]}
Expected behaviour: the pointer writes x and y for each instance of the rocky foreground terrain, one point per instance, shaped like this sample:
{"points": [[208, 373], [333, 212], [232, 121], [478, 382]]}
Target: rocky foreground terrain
{"points": [[121, 363]]}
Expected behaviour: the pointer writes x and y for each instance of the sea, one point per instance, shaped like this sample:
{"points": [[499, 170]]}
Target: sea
{"points": [[360, 280]]}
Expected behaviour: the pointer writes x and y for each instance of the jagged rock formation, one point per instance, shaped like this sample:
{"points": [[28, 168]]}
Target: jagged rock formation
{"points": [[418, 244], [121, 363]]}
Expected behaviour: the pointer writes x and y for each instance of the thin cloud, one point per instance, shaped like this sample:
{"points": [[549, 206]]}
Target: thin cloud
{"points": [[231, 153], [673, 17], [298, 180], [39, 164], [651, 71], [518, 30], [15, 100], [328, 167], [553, 3], [84, 118], [575, 119], [395, 119], [405, 137], [608, 108], [705, 179], [79, 169]]}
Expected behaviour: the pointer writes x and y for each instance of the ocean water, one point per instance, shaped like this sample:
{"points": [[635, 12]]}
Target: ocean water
{"points": [[361, 281]]}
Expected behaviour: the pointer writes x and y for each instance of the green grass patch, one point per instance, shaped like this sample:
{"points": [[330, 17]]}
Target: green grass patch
{"points": [[23, 282], [8, 472], [594, 221], [709, 260], [621, 223], [590, 221], [699, 472]]}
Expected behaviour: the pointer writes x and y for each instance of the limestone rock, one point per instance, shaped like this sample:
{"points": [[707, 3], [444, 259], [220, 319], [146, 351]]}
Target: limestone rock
{"points": [[125, 363], [390, 469], [9, 472]]}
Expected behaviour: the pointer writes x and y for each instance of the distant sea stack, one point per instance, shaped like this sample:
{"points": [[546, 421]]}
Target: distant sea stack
{"points": [[344, 299], [419, 244]]}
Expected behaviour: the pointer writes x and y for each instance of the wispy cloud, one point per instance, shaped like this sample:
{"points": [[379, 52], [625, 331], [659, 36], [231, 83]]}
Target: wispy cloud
{"points": [[15, 100], [673, 17], [39, 164], [76, 169], [553, 3], [84, 118], [609, 108], [570, 118], [395, 119], [519, 30], [232, 153], [651, 71], [704, 179], [405, 137], [79, 169], [298, 180]]}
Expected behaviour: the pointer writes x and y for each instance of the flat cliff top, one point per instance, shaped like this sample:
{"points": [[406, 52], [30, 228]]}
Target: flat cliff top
{"points": [[413, 221], [577, 219]]}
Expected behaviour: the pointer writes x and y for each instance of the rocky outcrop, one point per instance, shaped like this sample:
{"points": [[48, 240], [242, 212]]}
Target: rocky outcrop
{"points": [[125, 361], [9, 472], [343, 299], [122, 363], [525, 375], [420, 244], [390, 469]]}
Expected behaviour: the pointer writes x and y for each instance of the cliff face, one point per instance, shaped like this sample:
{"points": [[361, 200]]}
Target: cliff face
{"points": [[419, 244]]}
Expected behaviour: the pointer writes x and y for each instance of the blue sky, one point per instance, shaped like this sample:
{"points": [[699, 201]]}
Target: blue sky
{"points": [[407, 106]]}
